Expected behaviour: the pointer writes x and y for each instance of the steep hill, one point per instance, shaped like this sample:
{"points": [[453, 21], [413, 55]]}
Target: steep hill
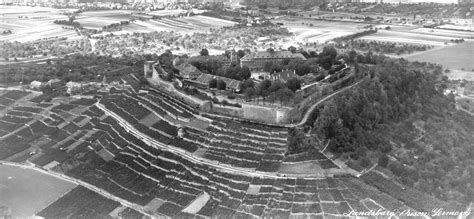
{"points": [[400, 119]]}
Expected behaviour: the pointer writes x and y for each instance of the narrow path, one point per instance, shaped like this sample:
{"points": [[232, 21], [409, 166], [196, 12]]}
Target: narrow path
{"points": [[311, 109]]}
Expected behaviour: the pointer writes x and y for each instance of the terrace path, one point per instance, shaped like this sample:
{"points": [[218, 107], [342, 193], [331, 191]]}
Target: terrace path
{"points": [[181, 152]]}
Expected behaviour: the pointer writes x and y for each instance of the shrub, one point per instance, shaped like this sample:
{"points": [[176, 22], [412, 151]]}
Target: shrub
{"points": [[213, 83], [220, 84], [383, 161]]}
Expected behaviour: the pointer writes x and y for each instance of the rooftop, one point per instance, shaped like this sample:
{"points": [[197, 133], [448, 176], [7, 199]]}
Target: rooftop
{"points": [[273, 55], [230, 83], [188, 70]]}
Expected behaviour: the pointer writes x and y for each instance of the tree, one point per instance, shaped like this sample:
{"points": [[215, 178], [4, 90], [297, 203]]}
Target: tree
{"points": [[383, 161], [292, 49], [276, 67], [293, 84], [276, 85], [249, 92], [285, 95], [246, 84], [263, 88], [240, 54], [271, 51], [245, 73], [221, 85], [268, 66], [204, 52], [213, 83]]}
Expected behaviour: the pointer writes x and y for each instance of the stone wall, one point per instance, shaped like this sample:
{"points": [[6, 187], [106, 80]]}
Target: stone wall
{"points": [[248, 111]]}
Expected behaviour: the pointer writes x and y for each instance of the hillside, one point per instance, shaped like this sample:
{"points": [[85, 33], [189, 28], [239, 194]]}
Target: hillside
{"points": [[400, 119]]}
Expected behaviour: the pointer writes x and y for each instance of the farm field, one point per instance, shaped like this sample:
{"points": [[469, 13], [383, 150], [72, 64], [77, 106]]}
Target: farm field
{"points": [[446, 33], [38, 24], [27, 192], [185, 25], [174, 12], [456, 57], [80, 202], [457, 27], [320, 31], [409, 37]]}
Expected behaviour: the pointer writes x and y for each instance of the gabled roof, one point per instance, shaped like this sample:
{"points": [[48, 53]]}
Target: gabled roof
{"points": [[230, 83], [188, 71], [273, 55], [218, 58]]}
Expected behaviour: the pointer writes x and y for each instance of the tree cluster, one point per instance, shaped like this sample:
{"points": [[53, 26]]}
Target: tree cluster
{"points": [[68, 23], [271, 90], [218, 84], [355, 35], [74, 68], [383, 47], [215, 67], [115, 26], [363, 124]]}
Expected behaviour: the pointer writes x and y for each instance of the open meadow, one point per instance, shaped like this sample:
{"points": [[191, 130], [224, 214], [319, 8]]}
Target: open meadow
{"points": [[458, 57], [27, 192]]}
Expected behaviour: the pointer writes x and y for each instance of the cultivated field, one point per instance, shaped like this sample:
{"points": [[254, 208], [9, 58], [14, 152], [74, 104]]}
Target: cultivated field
{"points": [[320, 31], [35, 23], [409, 37], [187, 25], [446, 33], [458, 57], [27, 192]]}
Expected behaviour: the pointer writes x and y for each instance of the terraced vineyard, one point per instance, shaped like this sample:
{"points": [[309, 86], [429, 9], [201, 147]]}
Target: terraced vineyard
{"points": [[158, 153]]}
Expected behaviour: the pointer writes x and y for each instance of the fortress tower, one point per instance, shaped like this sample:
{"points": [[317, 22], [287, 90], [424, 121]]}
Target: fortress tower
{"points": [[148, 69]]}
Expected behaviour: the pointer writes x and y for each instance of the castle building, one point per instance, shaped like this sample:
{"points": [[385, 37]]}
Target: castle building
{"points": [[257, 60]]}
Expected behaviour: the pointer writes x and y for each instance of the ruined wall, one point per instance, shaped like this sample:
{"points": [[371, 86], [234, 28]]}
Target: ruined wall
{"points": [[265, 114], [227, 110]]}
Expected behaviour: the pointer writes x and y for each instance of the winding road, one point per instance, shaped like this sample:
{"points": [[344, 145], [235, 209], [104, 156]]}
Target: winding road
{"points": [[311, 109]]}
